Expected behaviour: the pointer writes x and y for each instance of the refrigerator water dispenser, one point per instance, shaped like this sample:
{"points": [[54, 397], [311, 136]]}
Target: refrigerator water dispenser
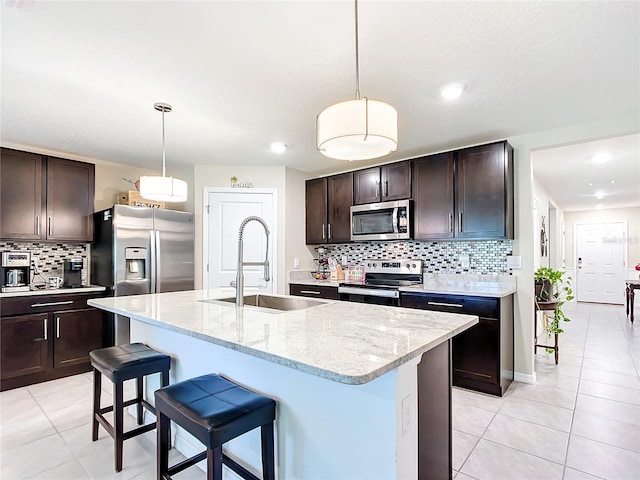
{"points": [[135, 259]]}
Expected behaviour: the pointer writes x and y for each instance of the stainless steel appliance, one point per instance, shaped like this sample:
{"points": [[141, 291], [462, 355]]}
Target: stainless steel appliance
{"points": [[72, 273], [139, 250], [16, 271], [381, 221], [383, 278]]}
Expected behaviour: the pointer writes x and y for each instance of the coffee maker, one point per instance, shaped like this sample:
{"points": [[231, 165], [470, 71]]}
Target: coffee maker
{"points": [[72, 273], [15, 271]]}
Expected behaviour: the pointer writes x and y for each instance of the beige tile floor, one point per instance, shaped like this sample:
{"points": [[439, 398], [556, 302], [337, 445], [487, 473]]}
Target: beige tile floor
{"points": [[581, 420]]}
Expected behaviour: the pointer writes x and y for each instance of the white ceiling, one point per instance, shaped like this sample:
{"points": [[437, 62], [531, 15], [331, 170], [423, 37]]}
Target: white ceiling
{"points": [[80, 77]]}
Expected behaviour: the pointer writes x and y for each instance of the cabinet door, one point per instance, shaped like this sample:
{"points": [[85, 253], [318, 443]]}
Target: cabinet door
{"points": [[396, 181], [366, 186], [481, 198], [70, 187], [316, 211], [433, 197], [77, 332], [21, 195], [339, 200], [476, 353], [25, 341]]}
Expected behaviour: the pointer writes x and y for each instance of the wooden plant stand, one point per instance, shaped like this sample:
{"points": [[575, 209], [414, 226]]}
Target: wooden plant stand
{"points": [[545, 307]]}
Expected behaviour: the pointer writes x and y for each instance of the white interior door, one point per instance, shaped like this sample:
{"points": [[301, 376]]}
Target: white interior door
{"points": [[600, 253], [227, 208]]}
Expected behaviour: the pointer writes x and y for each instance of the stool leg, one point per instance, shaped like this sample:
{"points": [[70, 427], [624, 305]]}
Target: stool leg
{"points": [[97, 390], [214, 463], [268, 467], [162, 444], [139, 388], [118, 410]]}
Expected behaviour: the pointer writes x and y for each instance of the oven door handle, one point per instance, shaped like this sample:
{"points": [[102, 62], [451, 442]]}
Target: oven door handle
{"points": [[371, 292]]}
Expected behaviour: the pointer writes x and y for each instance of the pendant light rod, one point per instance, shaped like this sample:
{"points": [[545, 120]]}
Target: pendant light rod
{"points": [[357, 55], [163, 107]]}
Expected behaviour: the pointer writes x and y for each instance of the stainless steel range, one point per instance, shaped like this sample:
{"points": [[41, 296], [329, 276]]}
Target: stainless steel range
{"points": [[383, 279]]}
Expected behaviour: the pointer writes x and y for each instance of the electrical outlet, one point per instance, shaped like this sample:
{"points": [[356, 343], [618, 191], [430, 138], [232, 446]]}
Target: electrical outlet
{"points": [[407, 415], [464, 261], [296, 263]]}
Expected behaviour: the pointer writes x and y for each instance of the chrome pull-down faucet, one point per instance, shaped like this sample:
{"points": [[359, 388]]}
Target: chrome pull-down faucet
{"points": [[239, 283]]}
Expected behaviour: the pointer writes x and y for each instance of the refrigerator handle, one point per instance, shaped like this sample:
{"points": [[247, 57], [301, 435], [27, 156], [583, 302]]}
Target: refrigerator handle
{"points": [[157, 262], [152, 261]]}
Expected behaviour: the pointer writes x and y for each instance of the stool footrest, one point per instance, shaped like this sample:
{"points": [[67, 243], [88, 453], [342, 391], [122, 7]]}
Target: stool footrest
{"points": [[128, 403], [226, 460]]}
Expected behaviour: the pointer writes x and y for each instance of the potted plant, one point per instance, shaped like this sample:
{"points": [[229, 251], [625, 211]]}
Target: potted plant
{"points": [[553, 289]]}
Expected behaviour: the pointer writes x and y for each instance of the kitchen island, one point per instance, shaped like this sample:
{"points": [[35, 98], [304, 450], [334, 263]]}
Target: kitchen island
{"points": [[363, 391]]}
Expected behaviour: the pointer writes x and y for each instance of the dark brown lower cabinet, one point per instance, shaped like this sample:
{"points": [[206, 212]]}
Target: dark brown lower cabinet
{"points": [[25, 346], [49, 336], [314, 291], [483, 355]]}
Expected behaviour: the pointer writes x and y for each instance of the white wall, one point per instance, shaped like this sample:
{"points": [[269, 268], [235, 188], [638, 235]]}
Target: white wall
{"points": [[554, 224]]}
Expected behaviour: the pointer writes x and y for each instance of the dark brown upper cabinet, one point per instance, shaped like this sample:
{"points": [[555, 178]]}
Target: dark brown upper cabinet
{"points": [[381, 184], [328, 203], [465, 195], [45, 198]]}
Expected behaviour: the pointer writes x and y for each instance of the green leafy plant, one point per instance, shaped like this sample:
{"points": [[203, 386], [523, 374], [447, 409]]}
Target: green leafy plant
{"points": [[554, 290]]}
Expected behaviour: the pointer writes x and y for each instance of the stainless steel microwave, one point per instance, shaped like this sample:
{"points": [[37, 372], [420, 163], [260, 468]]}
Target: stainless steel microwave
{"points": [[381, 221]]}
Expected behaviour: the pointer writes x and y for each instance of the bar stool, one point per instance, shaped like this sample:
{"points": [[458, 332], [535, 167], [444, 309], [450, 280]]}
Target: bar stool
{"points": [[118, 364], [214, 410]]}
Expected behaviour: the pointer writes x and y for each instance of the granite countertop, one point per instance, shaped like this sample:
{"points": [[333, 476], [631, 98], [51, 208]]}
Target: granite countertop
{"points": [[345, 342], [495, 286], [54, 291]]}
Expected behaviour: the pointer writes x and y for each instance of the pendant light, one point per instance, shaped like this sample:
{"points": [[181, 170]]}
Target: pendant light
{"points": [[358, 129], [163, 189]]}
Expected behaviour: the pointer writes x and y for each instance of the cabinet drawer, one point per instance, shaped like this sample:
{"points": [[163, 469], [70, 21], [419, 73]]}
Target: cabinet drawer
{"points": [[46, 303], [314, 291], [487, 307]]}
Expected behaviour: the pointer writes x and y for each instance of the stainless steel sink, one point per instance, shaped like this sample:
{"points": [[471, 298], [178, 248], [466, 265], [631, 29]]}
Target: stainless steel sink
{"points": [[273, 302]]}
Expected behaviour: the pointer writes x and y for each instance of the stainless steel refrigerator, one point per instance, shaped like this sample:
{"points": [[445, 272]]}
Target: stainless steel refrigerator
{"points": [[138, 250]]}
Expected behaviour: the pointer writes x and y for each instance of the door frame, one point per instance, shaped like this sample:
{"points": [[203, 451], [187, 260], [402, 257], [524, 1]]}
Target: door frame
{"points": [[625, 250], [273, 232]]}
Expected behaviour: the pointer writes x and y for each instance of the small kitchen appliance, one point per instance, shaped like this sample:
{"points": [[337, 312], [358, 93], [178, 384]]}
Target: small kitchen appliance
{"points": [[383, 279], [16, 271], [322, 272], [381, 221], [72, 273]]}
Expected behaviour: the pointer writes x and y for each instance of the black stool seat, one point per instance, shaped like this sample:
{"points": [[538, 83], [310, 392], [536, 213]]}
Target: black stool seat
{"points": [[124, 362], [214, 410], [118, 364]]}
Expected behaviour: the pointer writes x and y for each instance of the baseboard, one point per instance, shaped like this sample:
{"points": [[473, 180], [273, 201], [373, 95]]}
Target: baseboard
{"points": [[525, 378]]}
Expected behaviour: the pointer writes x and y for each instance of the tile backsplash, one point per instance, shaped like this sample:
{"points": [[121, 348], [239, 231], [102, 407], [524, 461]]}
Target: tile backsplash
{"points": [[485, 257], [48, 257]]}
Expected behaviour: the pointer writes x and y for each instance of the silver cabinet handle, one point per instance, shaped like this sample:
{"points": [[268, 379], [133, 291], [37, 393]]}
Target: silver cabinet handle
{"points": [[37, 225], [323, 231], [313, 292], [443, 304], [451, 222], [44, 322], [460, 221], [386, 188], [57, 327], [68, 302], [329, 229], [49, 222], [379, 189]]}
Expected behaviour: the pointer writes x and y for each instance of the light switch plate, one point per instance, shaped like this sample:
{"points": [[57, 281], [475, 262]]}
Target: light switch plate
{"points": [[514, 262]]}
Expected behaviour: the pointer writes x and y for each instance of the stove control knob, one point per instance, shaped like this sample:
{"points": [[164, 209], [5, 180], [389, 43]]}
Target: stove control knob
{"points": [[375, 264], [407, 265], [413, 265]]}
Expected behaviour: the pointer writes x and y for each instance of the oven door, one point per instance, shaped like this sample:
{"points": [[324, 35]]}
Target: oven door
{"points": [[377, 296]]}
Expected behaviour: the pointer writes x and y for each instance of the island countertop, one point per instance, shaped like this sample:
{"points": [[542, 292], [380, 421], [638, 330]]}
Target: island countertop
{"points": [[351, 343]]}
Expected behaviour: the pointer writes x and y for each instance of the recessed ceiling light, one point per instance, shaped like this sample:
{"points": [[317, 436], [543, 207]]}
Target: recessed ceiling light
{"points": [[599, 195], [278, 147], [601, 157], [613, 181], [452, 91]]}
